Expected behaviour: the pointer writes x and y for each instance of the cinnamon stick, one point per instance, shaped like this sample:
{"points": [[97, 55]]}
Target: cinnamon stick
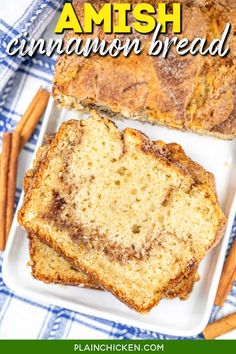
{"points": [[29, 121], [28, 112], [12, 145], [6, 148], [227, 277], [11, 188], [224, 325]]}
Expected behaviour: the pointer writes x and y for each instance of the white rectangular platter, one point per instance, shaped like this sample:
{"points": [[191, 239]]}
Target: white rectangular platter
{"points": [[173, 317]]}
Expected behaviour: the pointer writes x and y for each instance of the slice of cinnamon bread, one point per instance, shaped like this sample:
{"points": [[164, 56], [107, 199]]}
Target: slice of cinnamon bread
{"points": [[49, 266], [137, 216]]}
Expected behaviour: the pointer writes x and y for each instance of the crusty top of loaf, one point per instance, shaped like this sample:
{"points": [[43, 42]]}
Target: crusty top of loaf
{"points": [[187, 92], [135, 215]]}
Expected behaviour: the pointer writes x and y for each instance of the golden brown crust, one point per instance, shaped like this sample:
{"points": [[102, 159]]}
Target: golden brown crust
{"points": [[40, 155], [183, 284], [193, 93]]}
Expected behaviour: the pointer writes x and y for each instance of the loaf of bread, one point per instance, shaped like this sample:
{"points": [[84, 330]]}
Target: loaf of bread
{"points": [[193, 93], [49, 266], [136, 216]]}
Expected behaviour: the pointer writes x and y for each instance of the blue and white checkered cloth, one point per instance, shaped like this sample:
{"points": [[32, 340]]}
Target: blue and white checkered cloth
{"points": [[19, 80]]}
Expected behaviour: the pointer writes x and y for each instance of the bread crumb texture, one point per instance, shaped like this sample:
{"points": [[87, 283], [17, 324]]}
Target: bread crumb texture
{"points": [[137, 216], [51, 267]]}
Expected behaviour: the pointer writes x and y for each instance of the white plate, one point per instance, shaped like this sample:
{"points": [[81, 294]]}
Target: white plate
{"points": [[173, 317]]}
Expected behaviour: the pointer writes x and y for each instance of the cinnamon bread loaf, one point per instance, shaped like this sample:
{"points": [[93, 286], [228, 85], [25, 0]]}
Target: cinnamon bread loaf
{"points": [[193, 93]]}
